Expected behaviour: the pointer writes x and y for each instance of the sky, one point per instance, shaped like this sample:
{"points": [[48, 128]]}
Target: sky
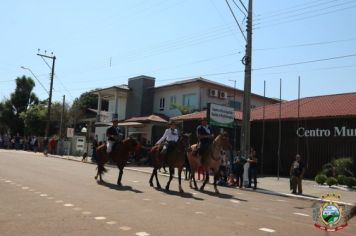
{"points": [[99, 44]]}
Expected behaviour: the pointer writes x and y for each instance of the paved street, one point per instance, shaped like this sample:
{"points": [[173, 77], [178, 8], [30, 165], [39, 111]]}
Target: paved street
{"points": [[52, 196]]}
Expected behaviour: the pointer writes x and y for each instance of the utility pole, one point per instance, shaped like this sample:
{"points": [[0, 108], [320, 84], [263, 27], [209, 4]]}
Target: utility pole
{"points": [[62, 114], [247, 61], [50, 92]]}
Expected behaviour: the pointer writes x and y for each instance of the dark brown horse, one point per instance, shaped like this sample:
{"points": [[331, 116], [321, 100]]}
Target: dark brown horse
{"points": [[119, 155], [210, 160], [174, 159]]}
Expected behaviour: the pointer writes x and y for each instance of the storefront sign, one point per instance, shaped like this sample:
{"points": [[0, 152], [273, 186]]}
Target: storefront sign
{"points": [[335, 132], [221, 116]]}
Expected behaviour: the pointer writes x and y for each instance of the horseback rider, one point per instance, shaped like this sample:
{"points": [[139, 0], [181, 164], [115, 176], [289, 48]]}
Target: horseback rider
{"points": [[169, 139], [205, 137], [114, 134]]}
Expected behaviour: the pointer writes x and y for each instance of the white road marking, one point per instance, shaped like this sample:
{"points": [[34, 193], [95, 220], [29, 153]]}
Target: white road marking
{"points": [[77, 208], [163, 203], [68, 205], [281, 200], [267, 230], [100, 218], [125, 228], [135, 181], [300, 214], [43, 195], [31, 190], [142, 234], [111, 222], [188, 203], [8, 181], [50, 198], [13, 183], [199, 213], [59, 201], [25, 187], [147, 199], [239, 193], [86, 212], [234, 201]]}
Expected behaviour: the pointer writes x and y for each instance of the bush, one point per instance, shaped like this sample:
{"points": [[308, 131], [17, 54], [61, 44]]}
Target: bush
{"points": [[343, 166], [320, 179], [331, 181], [341, 179], [350, 182]]}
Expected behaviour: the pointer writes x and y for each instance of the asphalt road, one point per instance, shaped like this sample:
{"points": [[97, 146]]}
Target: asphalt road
{"points": [[51, 196]]}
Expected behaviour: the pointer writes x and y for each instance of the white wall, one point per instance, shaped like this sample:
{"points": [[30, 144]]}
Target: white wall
{"points": [[178, 92]]}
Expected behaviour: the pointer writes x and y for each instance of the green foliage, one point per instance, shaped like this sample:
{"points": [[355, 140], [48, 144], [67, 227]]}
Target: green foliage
{"points": [[183, 109], [20, 100], [320, 179], [331, 181], [340, 166], [343, 166], [328, 169], [35, 120], [350, 182], [341, 179]]}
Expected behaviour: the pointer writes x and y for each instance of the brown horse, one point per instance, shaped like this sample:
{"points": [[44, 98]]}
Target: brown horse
{"points": [[174, 159], [119, 155], [211, 159]]}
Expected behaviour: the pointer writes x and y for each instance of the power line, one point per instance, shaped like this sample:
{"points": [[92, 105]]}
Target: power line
{"points": [[237, 22], [244, 13], [307, 12], [306, 44], [303, 18], [305, 62]]}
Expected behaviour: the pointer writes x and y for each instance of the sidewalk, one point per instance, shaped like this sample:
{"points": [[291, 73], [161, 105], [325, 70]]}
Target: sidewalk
{"points": [[266, 185]]}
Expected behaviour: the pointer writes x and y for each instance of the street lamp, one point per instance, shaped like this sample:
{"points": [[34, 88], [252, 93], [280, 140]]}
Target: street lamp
{"points": [[25, 68]]}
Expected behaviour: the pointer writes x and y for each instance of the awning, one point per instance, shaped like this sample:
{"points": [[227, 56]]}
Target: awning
{"points": [[130, 124]]}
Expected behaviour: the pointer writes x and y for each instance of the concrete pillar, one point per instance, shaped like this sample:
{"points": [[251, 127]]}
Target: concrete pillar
{"points": [[99, 108]]}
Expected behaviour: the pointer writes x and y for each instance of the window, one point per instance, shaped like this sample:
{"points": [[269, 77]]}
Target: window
{"points": [[161, 104], [190, 101], [173, 102], [236, 105]]}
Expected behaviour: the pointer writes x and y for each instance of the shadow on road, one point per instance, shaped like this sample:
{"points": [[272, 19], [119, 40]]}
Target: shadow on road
{"points": [[176, 193], [117, 187], [223, 195]]}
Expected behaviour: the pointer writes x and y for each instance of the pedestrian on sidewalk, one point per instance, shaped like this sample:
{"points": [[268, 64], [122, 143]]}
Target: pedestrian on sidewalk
{"points": [[252, 170], [296, 174], [239, 169]]}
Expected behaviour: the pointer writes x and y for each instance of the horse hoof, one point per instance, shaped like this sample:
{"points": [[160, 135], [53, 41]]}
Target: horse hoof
{"points": [[96, 177], [159, 186], [119, 184], [151, 184], [201, 189], [167, 188], [181, 191]]}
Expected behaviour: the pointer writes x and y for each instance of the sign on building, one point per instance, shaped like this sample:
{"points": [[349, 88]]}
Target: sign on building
{"points": [[221, 116]]}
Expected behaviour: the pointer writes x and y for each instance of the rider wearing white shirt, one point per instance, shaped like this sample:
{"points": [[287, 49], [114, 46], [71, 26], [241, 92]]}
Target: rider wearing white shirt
{"points": [[169, 138]]}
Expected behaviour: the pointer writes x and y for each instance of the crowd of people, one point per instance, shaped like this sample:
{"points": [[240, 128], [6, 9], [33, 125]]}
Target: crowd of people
{"points": [[28, 143]]}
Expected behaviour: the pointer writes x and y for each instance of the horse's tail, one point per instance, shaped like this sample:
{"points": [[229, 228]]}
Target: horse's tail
{"points": [[101, 169]]}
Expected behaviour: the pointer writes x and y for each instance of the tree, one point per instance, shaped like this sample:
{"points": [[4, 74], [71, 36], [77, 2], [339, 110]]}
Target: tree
{"points": [[20, 100], [80, 105], [35, 120]]}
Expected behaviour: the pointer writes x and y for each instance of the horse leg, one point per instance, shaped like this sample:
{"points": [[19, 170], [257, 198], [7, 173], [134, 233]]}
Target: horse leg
{"points": [[158, 184], [153, 173], [180, 180], [216, 176], [120, 176], [171, 171], [205, 181]]}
